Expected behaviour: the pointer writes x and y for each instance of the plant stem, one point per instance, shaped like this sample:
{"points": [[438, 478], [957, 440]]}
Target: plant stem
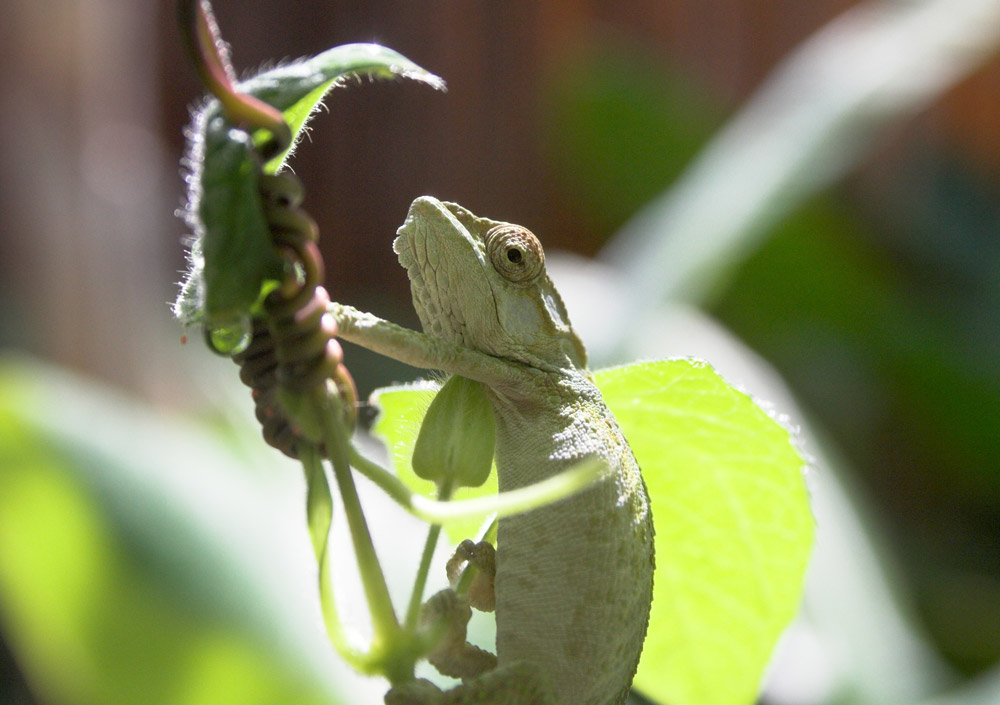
{"points": [[559, 486], [384, 623], [202, 40], [385, 480], [417, 596], [319, 516]]}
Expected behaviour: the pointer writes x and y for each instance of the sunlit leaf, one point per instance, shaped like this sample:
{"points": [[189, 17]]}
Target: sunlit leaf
{"points": [[733, 529]]}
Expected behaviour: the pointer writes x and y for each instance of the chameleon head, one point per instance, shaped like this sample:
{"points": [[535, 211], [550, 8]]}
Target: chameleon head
{"points": [[482, 284]]}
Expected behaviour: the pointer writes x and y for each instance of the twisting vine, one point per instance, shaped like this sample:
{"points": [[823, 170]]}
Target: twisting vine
{"points": [[294, 346], [304, 396]]}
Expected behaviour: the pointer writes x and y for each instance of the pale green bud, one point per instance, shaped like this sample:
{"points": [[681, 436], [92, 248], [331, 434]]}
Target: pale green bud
{"points": [[455, 443]]}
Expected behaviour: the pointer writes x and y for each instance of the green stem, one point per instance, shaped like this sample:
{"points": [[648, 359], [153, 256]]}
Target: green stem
{"points": [[567, 482], [384, 623], [383, 479], [319, 516], [417, 596]]}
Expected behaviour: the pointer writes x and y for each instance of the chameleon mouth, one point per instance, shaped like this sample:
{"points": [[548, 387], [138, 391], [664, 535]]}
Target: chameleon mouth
{"points": [[430, 264]]}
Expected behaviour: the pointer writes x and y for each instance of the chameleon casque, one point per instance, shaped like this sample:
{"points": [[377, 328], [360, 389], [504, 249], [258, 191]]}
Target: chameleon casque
{"points": [[573, 582]]}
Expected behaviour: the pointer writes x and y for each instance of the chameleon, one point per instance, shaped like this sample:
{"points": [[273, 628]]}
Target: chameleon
{"points": [[573, 579]]}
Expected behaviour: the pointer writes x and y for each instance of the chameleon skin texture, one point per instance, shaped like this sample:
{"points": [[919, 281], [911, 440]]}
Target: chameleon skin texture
{"points": [[574, 578]]}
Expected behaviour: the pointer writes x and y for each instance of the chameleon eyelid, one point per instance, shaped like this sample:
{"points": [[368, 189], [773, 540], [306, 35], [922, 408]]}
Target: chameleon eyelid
{"points": [[515, 253]]}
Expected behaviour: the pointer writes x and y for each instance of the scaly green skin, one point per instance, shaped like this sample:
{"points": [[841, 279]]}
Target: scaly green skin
{"points": [[574, 578]]}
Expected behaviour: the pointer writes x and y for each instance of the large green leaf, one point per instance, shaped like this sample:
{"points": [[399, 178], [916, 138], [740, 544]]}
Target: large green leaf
{"points": [[139, 563], [402, 410], [232, 256], [733, 528]]}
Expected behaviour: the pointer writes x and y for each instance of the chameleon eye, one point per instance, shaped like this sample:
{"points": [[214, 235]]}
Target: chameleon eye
{"points": [[515, 253]]}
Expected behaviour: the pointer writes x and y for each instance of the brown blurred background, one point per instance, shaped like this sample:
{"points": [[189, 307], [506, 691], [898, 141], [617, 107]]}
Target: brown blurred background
{"points": [[564, 116], [96, 94]]}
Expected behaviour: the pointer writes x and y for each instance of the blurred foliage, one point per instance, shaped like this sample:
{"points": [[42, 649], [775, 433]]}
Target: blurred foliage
{"points": [[605, 109], [905, 377], [918, 368], [118, 583]]}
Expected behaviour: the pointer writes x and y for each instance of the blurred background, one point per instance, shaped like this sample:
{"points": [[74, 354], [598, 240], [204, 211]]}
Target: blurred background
{"points": [[817, 182]]}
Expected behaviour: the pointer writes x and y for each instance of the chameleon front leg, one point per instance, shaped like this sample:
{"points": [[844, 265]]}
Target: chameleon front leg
{"points": [[447, 610], [518, 683], [425, 351], [484, 683]]}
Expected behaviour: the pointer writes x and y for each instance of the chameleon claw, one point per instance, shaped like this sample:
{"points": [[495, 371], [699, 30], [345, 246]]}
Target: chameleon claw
{"points": [[416, 692], [482, 557]]}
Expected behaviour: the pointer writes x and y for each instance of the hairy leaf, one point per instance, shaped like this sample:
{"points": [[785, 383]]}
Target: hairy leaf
{"points": [[297, 89], [231, 259]]}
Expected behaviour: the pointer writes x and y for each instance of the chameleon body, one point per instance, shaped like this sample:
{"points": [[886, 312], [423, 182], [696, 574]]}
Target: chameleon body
{"points": [[573, 579]]}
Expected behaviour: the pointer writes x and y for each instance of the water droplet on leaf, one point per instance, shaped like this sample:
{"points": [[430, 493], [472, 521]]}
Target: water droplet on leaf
{"points": [[230, 338]]}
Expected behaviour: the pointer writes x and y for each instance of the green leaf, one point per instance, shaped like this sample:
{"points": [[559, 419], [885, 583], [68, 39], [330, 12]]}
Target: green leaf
{"points": [[232, 257], [402, 410], [733, 528], [238, 251], [138, 564], [455, 444], [297, 89]]}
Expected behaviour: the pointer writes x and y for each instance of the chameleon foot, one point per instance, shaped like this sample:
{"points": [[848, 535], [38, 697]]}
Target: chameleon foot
{"points": [[416, 692], [483, 557], [453, 655], [518, 684]]}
